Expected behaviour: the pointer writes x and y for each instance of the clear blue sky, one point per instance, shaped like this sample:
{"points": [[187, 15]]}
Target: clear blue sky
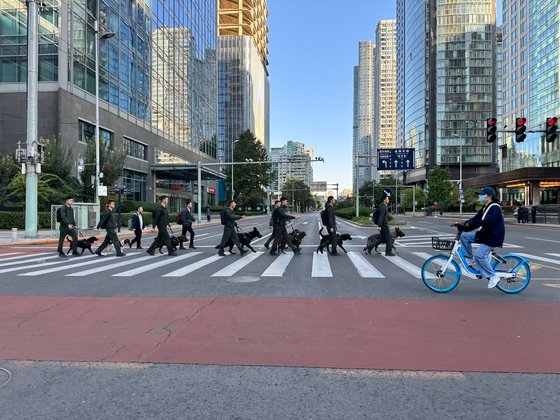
{"points": [[313, 48]]}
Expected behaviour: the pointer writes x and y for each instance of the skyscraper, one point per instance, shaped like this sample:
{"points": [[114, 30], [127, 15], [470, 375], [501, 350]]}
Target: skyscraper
{"points": [[243, 100], [446, 84]]}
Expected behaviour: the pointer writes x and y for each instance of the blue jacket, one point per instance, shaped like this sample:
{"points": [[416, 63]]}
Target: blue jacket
{"points": [[493, 231]]}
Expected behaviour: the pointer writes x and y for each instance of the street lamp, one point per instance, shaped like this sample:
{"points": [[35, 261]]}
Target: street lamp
{"points": [[98, 36], [460, 174], [232, 192]]}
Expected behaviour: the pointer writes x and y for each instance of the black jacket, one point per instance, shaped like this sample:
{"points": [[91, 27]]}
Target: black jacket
{"points": [[107, 220], [161, 218], [329, 208], [135, 224], [383, 221], [282, 216], [67, 216], [186, 217], [230, 218], [493, 231]]}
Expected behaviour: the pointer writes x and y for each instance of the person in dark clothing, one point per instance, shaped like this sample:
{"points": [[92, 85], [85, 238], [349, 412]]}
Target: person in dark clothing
{"points": [[109, 223], [229, 229], [279, 228], [383, 222], [331, 227], [67, 227], [137, 225], [161, 221], [186, 217], [271, 224], [208, 215], [490, 220], [534, 214]]}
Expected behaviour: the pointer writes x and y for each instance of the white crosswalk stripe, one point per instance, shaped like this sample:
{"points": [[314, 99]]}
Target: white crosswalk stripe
{"points": [[322, 265], [11, 258]]}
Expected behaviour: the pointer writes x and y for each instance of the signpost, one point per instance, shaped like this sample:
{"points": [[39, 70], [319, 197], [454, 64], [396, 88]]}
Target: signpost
{"points": [[395, 159]]}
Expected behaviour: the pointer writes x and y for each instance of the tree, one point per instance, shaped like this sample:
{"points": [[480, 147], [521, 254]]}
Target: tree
{"points": [[298, 194], [8, 170], [251, 178], [440, 187], [58, 158], [111, 164], [49, 191]]}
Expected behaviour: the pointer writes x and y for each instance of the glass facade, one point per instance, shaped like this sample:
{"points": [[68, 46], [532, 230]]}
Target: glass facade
{"points": [[159, 68]]}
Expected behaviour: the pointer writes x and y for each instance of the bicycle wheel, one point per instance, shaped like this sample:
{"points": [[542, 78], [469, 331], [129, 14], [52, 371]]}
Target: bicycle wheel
{"points": [[515, 264], [435, 279]]}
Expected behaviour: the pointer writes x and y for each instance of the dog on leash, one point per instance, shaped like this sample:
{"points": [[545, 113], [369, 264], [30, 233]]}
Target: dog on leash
{"points": [[158, 244], [296, 237], [375, 240], [325, 241], [245, 239], [83, 244]]}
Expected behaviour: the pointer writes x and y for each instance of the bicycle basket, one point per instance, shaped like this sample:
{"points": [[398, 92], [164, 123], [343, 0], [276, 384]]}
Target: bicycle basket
{"points": [[442, 244]]}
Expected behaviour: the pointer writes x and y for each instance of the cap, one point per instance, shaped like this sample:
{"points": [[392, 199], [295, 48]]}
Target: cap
{"points": [[487, 191]]}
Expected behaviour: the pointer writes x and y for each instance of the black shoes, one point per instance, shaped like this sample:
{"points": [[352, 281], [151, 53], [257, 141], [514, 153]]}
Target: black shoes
{"points": [[98, 254], [243, 251], [62, 254], [182, 247], [267, 246], [139, 247], [151, 252], [221, 254], [192, 247], [334, 254], [122, 254], [172, 254], [390, 254], [297, 251]]}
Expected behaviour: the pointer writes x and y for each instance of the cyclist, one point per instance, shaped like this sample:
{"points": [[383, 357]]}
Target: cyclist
{"points": [[491, 234]]}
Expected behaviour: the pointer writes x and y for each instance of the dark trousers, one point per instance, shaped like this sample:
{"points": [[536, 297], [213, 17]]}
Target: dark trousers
{"points": [[112, 237], [229, 233], [270, 239], [137, 238], [188, 228], [334, 241], [73, 233], [162, 236], [386, 237], [281, 233]]}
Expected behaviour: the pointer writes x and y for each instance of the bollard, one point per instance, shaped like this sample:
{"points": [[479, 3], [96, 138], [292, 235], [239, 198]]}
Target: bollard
{"points": [[14, 234]]}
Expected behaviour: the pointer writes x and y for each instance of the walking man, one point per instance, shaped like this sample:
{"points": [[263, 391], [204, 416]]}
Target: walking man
{"points": [[229, 229], [383, 222], [67, 227], [137, 225], [109, 223], [331, 227], [281, 233], [161, 220], [273, 216], [186, 217]]}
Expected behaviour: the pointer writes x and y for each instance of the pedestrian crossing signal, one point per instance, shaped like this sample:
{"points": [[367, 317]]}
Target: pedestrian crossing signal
{"points": [[491, 130], [551, 128], [520, 129]]}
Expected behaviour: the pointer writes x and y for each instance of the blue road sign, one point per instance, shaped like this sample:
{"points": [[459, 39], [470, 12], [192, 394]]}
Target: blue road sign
{"points": [[395, 159]]}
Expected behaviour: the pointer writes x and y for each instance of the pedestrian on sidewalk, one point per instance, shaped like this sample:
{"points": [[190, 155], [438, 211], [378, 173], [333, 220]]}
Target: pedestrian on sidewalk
{"points": [[137, 225], [186, 218], [109, 223], [65, 216]]}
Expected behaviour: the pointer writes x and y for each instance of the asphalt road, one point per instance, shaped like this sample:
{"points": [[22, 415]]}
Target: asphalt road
{"points": [[306, 336]]}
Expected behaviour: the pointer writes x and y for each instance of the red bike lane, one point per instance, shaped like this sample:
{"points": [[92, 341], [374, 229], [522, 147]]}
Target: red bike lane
{"points": [[424, 335]]}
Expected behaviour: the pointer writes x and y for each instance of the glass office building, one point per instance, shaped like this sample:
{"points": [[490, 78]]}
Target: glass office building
{"points": [[157, 78], [446, 84]]}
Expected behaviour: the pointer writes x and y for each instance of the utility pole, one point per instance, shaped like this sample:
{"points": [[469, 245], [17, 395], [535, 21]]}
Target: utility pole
{"points": [[32, 165]]}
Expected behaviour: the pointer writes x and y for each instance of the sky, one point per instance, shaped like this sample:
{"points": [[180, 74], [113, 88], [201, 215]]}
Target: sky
{"points": [[313, 48]]}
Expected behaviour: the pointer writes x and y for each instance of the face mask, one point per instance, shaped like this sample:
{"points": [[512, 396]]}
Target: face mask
{"points": [[481, 198]]}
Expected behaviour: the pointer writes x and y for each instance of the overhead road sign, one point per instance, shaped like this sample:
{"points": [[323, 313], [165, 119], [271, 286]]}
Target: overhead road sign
{"points": [[395, 159]]}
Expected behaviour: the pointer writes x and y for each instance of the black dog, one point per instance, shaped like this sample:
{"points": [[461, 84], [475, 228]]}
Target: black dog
{"points": [[296, 236], [375, 240], [325, 241], [83, 244], [245, 239], [160, 243]]}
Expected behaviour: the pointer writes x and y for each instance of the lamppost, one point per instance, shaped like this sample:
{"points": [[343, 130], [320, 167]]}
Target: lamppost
{"points": [[98, 36], [232, 145], [460, 174]]}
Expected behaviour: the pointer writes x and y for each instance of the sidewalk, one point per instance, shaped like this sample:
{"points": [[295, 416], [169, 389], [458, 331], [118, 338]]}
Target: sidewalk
{"points": [[47, 236]]}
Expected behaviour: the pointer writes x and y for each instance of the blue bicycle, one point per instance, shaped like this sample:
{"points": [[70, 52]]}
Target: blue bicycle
{"points": [[441, 273]]}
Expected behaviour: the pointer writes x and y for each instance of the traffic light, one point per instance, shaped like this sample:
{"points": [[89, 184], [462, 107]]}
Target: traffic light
{"points": [[520, 129], [551, 127], [491, 130]]}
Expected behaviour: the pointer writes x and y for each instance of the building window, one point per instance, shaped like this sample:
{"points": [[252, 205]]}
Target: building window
{"points": [[86, 131], [135, 184], [135, 149]]}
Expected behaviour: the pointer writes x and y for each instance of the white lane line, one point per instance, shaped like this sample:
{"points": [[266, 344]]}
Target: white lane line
{"points": [[405, 265], [278, 267], [12, 258], [34, 259], [192, 267], [536, 257], [233, 268], [165, 261], [552, 254], [321, 265], [541, 239], [122, 262], [364, 267], [91, 259]]}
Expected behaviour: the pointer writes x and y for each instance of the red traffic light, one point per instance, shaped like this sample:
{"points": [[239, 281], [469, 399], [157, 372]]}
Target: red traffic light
{"points": [[491, 121], [551, 121], [520, 121]]}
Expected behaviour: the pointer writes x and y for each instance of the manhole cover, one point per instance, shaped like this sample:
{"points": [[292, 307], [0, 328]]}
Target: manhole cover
{"points": [[243, 279]]}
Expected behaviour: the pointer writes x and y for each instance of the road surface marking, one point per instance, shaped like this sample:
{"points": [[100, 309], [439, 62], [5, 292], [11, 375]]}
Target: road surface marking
{"points": [[122, 262], [321, 265], [277, 268], [163, 262], [193, 267], [364, 267], [233, 268]]}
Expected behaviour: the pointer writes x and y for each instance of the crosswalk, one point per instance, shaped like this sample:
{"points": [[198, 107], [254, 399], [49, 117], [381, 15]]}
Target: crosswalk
{"points": [[207, 263]]}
